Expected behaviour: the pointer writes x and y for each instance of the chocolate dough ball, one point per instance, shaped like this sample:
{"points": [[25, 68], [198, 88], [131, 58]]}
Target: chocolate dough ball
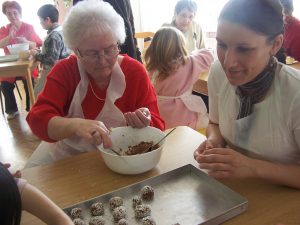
{"points": [[148, 221], [97, 220], [97, 209], [142, 211], [115, 202], [76, 213], [123, 222], [136, 200], [78, 221], [147, 193], [119, 213]]}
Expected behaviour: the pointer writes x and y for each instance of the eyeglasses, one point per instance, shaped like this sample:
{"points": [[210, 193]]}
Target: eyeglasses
{"points": [[93, 55]]}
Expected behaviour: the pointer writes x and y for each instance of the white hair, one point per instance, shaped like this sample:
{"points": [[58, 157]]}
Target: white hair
{"points": [[92, 17]]}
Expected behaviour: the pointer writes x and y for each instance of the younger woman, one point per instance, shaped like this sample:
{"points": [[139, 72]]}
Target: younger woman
{"points": [[17, 195], [174, 73]]}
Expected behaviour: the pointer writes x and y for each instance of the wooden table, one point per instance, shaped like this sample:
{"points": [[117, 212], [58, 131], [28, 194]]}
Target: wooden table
{"points": [[201, 85], [17, 69], [85, 176]]}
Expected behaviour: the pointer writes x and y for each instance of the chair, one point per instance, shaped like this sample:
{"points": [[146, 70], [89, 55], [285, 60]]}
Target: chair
{"points": [[1, 100], [146, 38]]}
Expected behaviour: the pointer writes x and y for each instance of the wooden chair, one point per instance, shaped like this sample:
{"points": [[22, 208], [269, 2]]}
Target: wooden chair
{"points": [[1, 100], [146, 38]]}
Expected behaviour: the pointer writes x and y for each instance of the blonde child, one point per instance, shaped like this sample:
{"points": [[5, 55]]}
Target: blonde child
{"points": [[173, 73]]}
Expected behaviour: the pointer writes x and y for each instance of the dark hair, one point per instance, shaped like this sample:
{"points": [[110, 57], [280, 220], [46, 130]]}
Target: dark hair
{"points": [[191, 5], [262, 16], [288, 6], [10, 199], [50, 11], [11, 4]]}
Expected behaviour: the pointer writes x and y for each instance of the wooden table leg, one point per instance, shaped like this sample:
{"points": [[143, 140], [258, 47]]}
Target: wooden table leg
{"points": [[30, 87]]}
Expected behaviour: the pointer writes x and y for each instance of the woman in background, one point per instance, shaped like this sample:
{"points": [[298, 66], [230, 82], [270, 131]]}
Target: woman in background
{"points": [[183, 19], [93, 90], [254, 101], [17, 195], [174, 72], [15, 32]]}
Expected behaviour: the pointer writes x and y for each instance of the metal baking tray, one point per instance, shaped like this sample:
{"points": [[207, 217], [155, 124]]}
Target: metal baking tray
{"points": [[186, 196]]}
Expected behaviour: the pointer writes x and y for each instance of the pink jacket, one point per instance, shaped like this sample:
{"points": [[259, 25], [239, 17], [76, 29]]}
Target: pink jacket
{"points": [[177, 105]]}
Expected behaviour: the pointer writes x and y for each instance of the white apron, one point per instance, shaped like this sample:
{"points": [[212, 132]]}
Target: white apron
{"points": [[110, 115], [262, 134], [194, 104]]}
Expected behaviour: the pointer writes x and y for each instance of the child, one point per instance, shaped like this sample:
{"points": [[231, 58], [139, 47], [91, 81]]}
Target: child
{"points": [[17, 195], [53, 47], [174, 73]]}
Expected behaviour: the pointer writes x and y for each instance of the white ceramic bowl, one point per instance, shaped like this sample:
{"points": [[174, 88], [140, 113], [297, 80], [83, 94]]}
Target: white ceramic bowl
{"points": [[122, 138], [15, 49]]}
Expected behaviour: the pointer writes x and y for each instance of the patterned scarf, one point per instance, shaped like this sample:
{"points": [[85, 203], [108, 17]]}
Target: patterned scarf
{"points": [[254, 91]]}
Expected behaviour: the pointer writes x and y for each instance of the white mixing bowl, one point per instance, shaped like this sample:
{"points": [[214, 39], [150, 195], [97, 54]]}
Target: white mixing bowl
{"points": [[122, 138], [15, 49]]}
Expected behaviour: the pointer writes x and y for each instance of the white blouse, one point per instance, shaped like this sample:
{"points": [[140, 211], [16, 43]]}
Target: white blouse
{"points": [[272, 131]]}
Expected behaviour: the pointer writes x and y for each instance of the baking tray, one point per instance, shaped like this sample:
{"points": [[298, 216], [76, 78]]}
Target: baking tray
{"points": [[9, 58], [186, 196]]}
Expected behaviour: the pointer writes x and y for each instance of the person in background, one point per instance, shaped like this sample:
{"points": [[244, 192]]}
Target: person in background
{"points": [[129, 47], [291, 42], [183, 19], [174, 72], [93, 90], [254, 101], [17, 195], [15, 32], [53, 48]]}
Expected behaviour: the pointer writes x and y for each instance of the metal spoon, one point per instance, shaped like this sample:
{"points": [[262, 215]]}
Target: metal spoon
{"points": [[116, 152], [149, 149]]}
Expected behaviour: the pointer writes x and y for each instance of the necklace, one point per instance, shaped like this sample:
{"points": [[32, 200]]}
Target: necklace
{"points": [[101, 99]]}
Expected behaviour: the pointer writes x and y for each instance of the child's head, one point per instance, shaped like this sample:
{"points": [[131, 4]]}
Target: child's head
{"points": [[10, 199], [48, 15], [166, 52]]}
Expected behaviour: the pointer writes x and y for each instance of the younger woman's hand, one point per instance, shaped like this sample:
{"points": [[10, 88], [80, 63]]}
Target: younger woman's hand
{"points": [[139, 118], [226, 163]]}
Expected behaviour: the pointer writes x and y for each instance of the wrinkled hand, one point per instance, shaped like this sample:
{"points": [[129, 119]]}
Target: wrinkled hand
{"points": [[17, 174], [94, 132], [139, 118], [225, 163]]}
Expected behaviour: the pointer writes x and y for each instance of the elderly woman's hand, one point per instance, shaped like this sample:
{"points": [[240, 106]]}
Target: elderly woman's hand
{"points": [[95, 132], [139, 118], [226, 163]]}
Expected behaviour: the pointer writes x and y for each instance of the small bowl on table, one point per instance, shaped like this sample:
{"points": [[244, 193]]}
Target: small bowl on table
{"points": [[124, 138]]}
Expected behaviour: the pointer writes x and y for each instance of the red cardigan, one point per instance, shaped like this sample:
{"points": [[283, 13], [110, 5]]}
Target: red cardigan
{"points": [[55, 98], [27, 31]]}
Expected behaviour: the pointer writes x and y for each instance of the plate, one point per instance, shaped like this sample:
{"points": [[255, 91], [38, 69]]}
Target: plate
{"points": [[9, 58]]}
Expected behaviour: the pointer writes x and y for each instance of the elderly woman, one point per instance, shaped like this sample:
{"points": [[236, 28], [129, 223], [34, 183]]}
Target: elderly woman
{"points": [[183, 19], [254, 128], [93, 90], [15, 32]]}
